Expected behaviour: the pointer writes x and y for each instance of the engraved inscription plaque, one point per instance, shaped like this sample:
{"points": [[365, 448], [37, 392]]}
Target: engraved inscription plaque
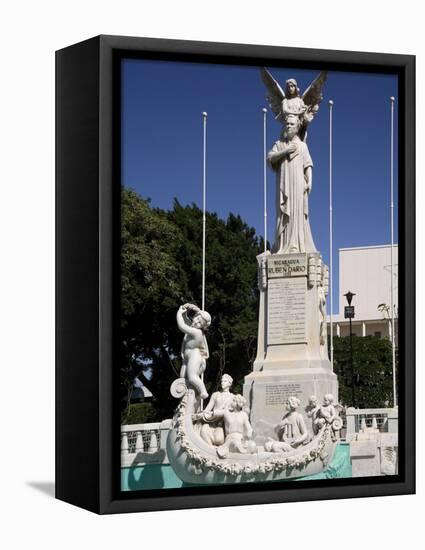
{"points": [[288, 265], [277, 394], [286, 308]]}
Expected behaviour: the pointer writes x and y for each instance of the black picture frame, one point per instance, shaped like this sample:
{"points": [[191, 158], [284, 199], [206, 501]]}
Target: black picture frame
{"points": [[87, 274]]}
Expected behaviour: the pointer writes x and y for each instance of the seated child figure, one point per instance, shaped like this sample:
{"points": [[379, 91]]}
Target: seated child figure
{"points": [[292, 431], [237, 429], [211, 428], [326, 413]]}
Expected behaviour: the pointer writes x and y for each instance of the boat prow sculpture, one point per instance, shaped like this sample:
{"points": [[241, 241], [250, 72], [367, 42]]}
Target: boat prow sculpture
{"points": [[195, 461]]}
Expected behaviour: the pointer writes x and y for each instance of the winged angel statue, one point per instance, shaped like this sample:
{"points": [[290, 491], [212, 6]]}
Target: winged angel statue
{"points": [[291, 160]]}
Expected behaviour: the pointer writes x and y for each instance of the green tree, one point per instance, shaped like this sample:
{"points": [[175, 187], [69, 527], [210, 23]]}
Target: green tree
{"points": [[152, 287], [231, 287], [372, 368], [161, 268]]}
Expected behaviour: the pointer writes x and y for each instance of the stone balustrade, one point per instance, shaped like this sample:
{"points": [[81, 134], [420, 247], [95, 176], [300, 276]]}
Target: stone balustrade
{"points": [[384, 420], [371, 433], [144, 443]]}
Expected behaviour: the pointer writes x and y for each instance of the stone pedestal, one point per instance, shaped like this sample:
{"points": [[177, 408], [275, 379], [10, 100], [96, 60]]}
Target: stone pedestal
{"points": [[374, 454], [292, 353]]}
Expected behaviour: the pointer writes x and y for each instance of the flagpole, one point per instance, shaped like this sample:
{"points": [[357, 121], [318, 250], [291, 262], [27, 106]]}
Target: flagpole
{"points": [[204, 219], [204, 193], [392, 100], [331, 230], [265, 175]]}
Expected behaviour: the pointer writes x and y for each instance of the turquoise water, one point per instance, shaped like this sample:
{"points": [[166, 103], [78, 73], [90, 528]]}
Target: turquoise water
{"points": [[162, 476]]}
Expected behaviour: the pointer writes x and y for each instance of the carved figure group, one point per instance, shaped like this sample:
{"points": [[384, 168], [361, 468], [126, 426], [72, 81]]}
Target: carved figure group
{"points": [[211, 427], [224, 423], [321, 414], [290, 158]]}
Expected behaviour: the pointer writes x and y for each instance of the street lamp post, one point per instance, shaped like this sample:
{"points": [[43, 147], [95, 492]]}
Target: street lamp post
{"points": [[349, 314]]}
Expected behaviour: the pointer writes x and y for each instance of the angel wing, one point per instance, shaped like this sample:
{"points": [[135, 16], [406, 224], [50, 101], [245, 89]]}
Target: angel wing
{"points": [[276, 95], [312, 98], [313, 95]]}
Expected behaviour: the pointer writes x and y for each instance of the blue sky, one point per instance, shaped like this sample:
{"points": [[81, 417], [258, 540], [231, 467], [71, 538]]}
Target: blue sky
{"points": [[162, 105]]}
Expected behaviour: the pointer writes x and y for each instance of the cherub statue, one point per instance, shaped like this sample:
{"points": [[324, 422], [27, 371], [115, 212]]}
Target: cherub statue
{"points": [[284, 103], [194, 349], [291, 431], [211, 428], [237, 429], [311, 410], [326, 413]]}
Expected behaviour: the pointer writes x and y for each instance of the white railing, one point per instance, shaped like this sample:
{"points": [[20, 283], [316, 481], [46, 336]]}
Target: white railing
{"points": [[144, 443], [380, 420]]}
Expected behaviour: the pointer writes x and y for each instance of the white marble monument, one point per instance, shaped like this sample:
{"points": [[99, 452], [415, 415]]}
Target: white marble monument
{"points": [[292, 354], [285, 424]]}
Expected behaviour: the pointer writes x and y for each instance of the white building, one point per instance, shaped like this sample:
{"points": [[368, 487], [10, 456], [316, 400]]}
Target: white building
{"points": [[366, 272]]}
